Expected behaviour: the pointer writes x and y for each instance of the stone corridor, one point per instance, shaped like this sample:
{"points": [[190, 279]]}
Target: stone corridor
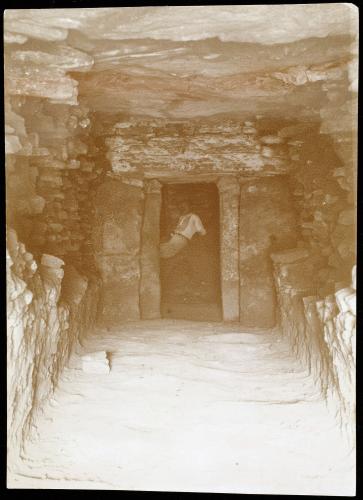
{"points": [[188, 406], [181, 194]]}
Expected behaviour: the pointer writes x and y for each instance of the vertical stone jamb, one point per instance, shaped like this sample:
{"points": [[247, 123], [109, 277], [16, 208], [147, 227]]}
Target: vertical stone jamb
{"points": [[150, 255], [229, 193]]}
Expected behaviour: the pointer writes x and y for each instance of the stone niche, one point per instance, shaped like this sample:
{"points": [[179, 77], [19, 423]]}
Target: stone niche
{"points": [[256, 218]]}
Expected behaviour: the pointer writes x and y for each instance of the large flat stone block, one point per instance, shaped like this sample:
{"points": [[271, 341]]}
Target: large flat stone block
{"points": [[267, 225], [117, 238]]}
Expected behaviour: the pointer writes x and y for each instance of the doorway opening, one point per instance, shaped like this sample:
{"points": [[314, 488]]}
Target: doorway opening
{"points": [[190, 280]]}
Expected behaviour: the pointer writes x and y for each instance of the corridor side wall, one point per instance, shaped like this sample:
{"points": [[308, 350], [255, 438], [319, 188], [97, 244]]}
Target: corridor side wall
{"points": [[49, 310], [267, 223], [316, 288], [52, 284]]}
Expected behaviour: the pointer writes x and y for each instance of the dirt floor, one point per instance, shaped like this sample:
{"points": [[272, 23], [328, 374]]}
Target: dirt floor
{"points": [[188, 406]]}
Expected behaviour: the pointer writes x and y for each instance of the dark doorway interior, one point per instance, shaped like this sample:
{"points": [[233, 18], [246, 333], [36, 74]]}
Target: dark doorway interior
{"points": [[190, 281]]}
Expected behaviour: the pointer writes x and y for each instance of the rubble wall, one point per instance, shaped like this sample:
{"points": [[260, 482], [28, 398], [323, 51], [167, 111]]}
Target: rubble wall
{"points": [[51, 180], [52, 169], [315, 282]]}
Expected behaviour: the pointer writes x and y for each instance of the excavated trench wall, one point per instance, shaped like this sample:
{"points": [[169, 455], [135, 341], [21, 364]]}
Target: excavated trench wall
{"points": [[52, 281], [316, 283]]}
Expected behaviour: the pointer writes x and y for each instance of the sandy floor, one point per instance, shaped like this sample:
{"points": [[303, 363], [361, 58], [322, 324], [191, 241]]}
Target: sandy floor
{"points": [[189, 407]]}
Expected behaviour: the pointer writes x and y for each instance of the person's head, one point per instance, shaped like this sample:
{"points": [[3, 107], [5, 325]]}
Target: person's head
{"points": [[184, 208]]}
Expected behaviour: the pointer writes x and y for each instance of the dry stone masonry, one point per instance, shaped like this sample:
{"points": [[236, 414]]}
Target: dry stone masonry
{"points": [[104, 109]]}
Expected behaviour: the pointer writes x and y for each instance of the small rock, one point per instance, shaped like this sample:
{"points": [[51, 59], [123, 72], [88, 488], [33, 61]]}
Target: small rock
{"points": [[51, 261], [52, 273], [339, 172], [57, 228], [96, 362], [28, 296], [12, 242], [329, 199], [340, 296], [36, 204], [9, 130], [12, 144], [351, 301], [347, 217], [267, 152], [271, 139], [249, 130], [84, 123], [74, 164], [294, 130]]}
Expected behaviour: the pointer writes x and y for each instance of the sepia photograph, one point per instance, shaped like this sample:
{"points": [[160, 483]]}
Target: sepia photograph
{"points": [[181, 240]]}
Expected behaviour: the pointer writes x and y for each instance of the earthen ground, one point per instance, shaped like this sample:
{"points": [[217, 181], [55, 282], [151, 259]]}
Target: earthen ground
{"points": [[188, 406]]}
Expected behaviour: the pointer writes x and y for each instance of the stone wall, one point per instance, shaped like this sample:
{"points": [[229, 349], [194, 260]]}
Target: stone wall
{"points": [[226, 152], [267, 222], [117, 240], [52, 168], [50, 184], [314, 282], [49, 311], [323, 186]]}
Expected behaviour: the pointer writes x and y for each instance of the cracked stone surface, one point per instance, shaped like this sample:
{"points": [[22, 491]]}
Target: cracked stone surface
{"points": [[188, 407], [158, 61], [263, 23]]}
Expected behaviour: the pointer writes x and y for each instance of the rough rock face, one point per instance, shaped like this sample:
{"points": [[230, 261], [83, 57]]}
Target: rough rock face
{"points": [[43, 327], [239, 62], [322, 331], [48, 180]]}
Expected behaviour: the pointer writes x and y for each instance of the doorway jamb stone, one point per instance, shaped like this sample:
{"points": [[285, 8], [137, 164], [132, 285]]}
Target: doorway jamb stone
{"points": [[229, 194], [150, 294]]}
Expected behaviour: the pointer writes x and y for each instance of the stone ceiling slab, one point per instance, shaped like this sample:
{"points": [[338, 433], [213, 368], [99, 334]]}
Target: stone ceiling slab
{"points": [[266, 24], [182, 62]]}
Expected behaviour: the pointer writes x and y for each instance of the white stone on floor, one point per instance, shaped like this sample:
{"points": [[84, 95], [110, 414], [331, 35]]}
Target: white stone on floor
{"points": [[189, 407], [95, 362]]}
